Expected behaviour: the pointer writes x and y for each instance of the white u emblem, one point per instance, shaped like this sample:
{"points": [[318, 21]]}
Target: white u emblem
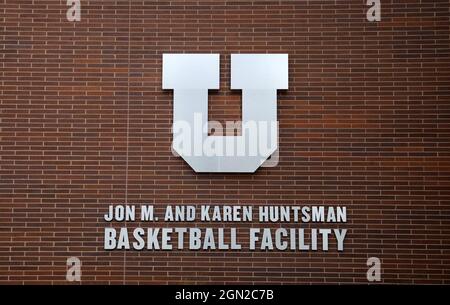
{"points": [[259, 76]]}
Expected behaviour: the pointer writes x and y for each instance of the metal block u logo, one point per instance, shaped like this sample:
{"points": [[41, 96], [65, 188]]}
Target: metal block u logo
{"points": [[259, 76]]}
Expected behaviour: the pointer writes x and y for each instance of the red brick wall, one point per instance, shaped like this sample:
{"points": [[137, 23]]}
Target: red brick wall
{"points": [[84, 123]]}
